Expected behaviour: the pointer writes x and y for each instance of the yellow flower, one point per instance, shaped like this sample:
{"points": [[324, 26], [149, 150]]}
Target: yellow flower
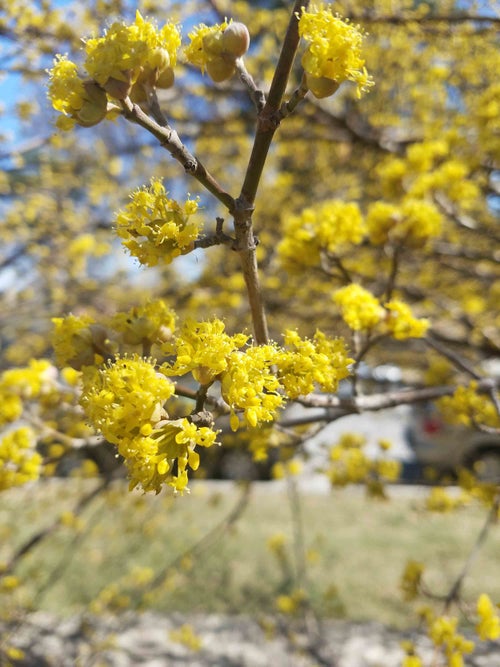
{"points": [[155, 228], [78, 341], [334, 48], [360, 310], [216, 48], [19, 462], [202, 348], [153, 322], [186, 635], [488, 627], [402, 324], [411, 578], [322, 361], [332, 227], [82, 102], [249, 384], [124, 396], [150, 458], [413, 223], [126, 52]]}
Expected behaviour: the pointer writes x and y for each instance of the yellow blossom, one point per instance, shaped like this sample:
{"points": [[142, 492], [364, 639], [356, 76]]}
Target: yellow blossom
{"points": [[185, 635], [202, 348], [401, 322], [78, 341], [468, 407], [411, 578], [123, 396], [249, 384], [488, 627], [216, 48], [334, 48], [157, 229], [322, 361], [152, 322], [19, 462], [330, 227], [360, 310], [126, 52], [412, 223]]}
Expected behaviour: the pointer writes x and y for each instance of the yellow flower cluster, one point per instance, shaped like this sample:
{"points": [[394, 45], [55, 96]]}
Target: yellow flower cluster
{"points": [[78, 341], [321, 361], [291, 604], [350, 465], [202, 348], [440, 500], [256, 380], [443, 632], [154, 322], [333, 52], [402, 324], [249, 384], [216, 48], [19, 462], [157, 229], [28, 382], [425, 172], [124, 61], [125, 397], [124, 400], [139, 51], [488, 627], [468, 407], [411, 578], [332, 227], [487, 113], [362, 311], [412, 223], [186, 636]]}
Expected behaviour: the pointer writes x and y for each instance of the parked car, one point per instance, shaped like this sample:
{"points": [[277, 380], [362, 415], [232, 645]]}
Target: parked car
{"points": [[445, 448]]}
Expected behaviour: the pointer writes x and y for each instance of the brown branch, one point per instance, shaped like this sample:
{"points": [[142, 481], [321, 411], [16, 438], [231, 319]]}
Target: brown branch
{"points": [[170, 140], [389, 399], [267, 124]]}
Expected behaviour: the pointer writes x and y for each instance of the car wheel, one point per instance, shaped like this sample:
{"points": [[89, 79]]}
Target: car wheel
{"points": [[486, 465]]}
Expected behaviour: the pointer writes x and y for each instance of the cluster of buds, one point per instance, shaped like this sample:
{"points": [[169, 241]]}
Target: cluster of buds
{"points": [[217, 49]]}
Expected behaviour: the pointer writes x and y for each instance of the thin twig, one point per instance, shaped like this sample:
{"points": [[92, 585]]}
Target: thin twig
{"points": [[256, 94], [491, 518], [170, 140]]}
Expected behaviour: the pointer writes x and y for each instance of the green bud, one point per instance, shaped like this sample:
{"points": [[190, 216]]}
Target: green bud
{"points": [[220, 69], [94, 105], [212, 43], [166, 78], [321, 86]]}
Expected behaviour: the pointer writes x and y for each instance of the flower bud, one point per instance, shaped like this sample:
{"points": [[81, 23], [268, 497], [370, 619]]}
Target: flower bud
{"points": [[94, 106], [119, 88], [212, 43], [159, 59], [321, 86], [166, 78], [236, 39], [220, 69], [138, 93]]}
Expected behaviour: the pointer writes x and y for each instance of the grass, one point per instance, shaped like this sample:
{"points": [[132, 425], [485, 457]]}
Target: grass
{"points": [[357, 550]]}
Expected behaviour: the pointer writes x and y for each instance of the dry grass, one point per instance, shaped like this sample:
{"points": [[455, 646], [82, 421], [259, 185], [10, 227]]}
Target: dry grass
{"points": [[355, 547]]}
